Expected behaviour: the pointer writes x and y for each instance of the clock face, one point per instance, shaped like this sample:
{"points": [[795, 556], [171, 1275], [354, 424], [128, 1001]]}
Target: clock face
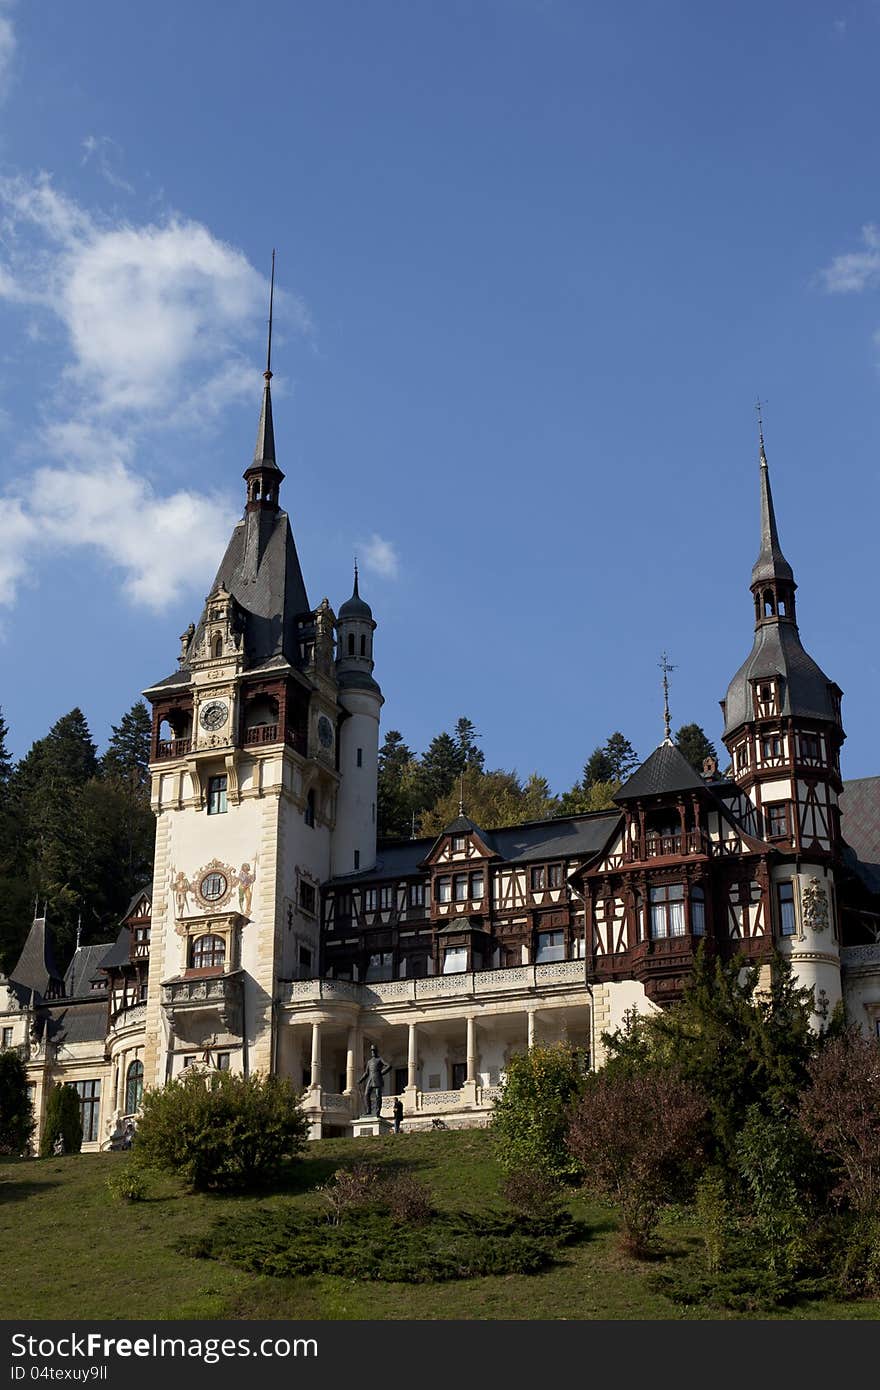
{"points": [[325, 732], [213, 715]]}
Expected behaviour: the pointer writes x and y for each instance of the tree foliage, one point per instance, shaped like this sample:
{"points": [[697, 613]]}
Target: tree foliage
{"points": [[530, 1119], [840, 1111], [16, 1114], [636, 1137], [491, 799], [62, 1119], [220, 1130], [693, 744]]}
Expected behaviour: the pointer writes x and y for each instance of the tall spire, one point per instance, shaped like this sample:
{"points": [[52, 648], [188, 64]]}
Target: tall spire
{"points": [[771, 563], [264, 476], [667, 723]]}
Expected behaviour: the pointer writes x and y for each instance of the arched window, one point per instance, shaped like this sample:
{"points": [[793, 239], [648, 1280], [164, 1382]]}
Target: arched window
{"points": [[208, 951], [698, 911], [134, 1086], [217, 645], [769, 609], [309, 813], [351, 644], [363, 645], [782, 608]]}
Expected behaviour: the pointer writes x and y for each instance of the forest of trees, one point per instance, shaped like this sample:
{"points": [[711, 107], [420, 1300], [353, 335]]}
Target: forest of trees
{"points": [[76, 830], [419, 795]]}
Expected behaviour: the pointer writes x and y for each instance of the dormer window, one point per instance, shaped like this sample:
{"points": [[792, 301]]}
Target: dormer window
{"points": [[458, 843], [766, 698]]}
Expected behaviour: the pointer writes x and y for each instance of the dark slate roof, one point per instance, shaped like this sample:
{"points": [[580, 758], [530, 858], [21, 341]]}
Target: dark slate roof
{"points": [[120, 952], [355, 680], [806, 691], [145, 892], [180, 677], [771, 563], [264, 449], [355, 607], [36, 965], [576, 837], [79, 1021], [84, 968], [860, 827], [666, 771]]}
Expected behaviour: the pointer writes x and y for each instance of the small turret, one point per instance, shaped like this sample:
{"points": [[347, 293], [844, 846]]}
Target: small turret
{"points": [[354, 839]]}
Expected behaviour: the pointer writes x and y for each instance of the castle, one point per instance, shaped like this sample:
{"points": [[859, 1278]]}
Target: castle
{"points": [[278, 936]]}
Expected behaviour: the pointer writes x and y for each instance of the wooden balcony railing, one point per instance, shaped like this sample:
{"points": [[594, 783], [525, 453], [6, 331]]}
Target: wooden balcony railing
{"points": [[172, 748], [261, 733]]}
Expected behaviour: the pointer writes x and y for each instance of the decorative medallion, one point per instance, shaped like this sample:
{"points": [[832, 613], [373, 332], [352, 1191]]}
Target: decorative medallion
{"points": [[325, 732], [814, 902], [212, 885]]}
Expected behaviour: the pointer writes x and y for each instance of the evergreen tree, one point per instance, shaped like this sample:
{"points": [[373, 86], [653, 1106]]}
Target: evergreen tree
{"points": [[440, 768], [622, 757], [597, 768], [492, 799], [128, 752], [466, 737], [62, 1119], [122, 801], [580, 800], [395, 799], [16, 1115], [5, 761], [693, 744]]}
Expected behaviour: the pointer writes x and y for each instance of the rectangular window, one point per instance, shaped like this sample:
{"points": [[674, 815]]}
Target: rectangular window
{"points": [[7, 1037], [216, 796], [89, 1093], [551, 946], [454, 960], [223, 1061], [386, 899], [458, 843], [190, 1059], [305, 957], [379, 965], [776, 817], [143, 988], [538, 879], [370, 899], [785, 898], [357, 860], [417, 895], [667, 910], [401, 1076], [444, 890], [461, 887], [343, 908], [554, 876], [742, 757], [360, 757], [459, 1075], [306, 896], [771, 746], [698, 911], [476, 885], [810, 750]]}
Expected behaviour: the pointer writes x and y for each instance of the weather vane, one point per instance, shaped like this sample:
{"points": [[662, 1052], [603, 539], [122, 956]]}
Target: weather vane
{"points": [[666, 668], [268, 372], [759, 407]]}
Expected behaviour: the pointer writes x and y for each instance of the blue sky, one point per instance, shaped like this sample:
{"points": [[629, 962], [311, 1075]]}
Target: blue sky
{"points": [[535, 263]]}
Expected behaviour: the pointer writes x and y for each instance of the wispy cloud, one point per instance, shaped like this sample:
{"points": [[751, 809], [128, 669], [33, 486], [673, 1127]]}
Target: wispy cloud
{"points": [[855, 271], [7, 53], [107, 156], [154, 318], [379, 556]]}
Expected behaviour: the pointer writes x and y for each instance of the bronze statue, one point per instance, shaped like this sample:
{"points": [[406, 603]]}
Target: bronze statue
{"points": [[375, 1069]]}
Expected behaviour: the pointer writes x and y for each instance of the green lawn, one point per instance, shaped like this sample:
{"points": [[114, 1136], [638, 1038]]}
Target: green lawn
{"points": [[72, 1251]]}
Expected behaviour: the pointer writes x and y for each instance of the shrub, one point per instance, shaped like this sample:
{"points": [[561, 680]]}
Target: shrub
{"points": [[714, 1216], [350, 1188], [16, 1115], [406, 1199], [530, 1119], [840, 1112], [128, 1184], [531, 1192], [220, 1130], [63, 1119], [774, 1160], [364, 1187], [635, 1137]]}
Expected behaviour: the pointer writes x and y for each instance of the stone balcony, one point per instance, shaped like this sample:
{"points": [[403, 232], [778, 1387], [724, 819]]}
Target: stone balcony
{"points": [[515, 980], [862, 959], [205, 1005], [470, 1106]]}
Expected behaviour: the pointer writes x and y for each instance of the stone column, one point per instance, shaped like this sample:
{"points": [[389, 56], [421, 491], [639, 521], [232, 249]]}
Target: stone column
{"points": [[316, 1054], [411, 1057], [120, 1082], [531, 1025], [351, 1060], [471, 1048]]}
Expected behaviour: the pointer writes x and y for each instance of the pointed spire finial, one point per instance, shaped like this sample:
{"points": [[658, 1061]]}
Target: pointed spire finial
{"points": [[461, 793], [268, 372], [79, 927], [357, 594], [759, 407], [667, 725]]}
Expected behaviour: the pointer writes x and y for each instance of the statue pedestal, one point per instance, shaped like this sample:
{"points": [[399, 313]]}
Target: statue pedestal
{"points": [[370, 1124]]}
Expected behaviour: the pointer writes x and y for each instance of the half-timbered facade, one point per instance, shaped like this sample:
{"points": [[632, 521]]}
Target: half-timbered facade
{"points": [[277, 935]]}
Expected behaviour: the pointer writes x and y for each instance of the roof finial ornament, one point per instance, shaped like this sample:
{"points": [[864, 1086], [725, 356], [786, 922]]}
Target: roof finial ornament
{"points": [[268, 372], [461, 793], [79, 927], [667, 726], [759, 406], [356, 577]]}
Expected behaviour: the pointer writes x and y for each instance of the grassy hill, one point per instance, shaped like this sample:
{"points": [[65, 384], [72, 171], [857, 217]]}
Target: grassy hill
{"points": [[74, 1252]]}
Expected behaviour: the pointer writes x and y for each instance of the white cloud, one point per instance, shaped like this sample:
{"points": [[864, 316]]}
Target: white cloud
{"points": [[7, 53], [155, 318], [107, 155], [855, 271], [161, 545], [380, 556]]}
